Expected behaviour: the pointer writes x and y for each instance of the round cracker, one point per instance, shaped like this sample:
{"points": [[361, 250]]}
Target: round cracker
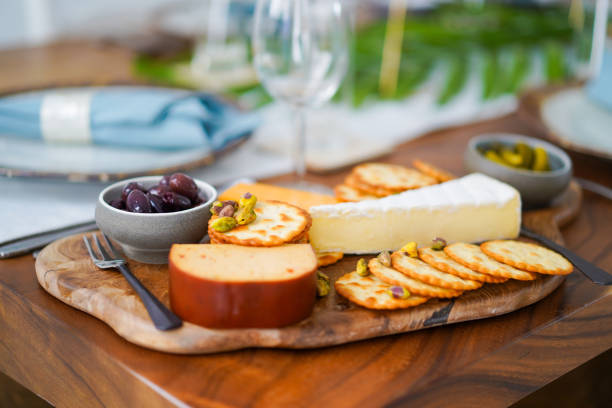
{"points": [[391, 177], [371, 292], [472, 256], [347, 193], [527, 256], [444, 263], [300, 239], [328, 258], [415, 286], [433, 171], [417, 269], [277, 223], [377, 191]]}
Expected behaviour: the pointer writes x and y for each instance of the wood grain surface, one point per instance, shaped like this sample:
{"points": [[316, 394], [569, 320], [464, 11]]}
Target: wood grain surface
{"points": [[73, 360]]}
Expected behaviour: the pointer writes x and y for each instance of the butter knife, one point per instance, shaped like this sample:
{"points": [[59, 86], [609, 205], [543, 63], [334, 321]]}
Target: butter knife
{"points": [[594, 273]]}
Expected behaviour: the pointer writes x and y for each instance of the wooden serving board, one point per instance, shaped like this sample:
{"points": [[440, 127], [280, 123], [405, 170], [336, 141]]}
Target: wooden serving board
{"points": [[65, 271]]}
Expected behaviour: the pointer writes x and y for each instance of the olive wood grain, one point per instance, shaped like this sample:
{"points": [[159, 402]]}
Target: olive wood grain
{"points": [[66, 272]]}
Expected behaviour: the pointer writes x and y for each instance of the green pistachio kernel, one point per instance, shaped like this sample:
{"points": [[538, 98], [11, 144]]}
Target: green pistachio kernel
{"points": [[245, 216], [398, 292], [322, 287], [216, 207], [384, 258], [223, 224], [438, 244], [246, 209], [248, 200], [362, 268], [321, 275], [410, 249]]}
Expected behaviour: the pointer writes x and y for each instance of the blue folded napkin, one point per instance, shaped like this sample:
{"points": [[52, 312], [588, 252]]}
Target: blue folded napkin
{"points": [[158, 118]]}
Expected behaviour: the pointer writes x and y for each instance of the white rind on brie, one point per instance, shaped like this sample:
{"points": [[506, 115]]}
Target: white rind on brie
{"points": [[473, 208]]}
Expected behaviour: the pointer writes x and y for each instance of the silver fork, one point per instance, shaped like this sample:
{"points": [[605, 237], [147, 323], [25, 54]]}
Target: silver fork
{"points": [[162, 317]]}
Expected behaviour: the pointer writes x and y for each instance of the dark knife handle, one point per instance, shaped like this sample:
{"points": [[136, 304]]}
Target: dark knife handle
{"points": [[162, 317], [594, 273]]}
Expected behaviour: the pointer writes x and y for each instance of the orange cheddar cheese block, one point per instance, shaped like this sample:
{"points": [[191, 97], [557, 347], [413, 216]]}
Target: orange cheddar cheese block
{"points": [[232, 286], [266, 192]]}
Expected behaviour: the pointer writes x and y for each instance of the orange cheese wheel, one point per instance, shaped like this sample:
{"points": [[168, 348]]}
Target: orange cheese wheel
{"points": [[231, 286]]}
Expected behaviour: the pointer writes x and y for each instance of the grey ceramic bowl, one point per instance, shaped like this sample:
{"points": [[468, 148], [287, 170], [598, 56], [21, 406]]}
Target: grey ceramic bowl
{"points": [[537, 188], [148, 237]]}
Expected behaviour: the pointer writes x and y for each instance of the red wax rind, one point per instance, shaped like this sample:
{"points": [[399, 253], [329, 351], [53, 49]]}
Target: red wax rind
{"points": [[276, 299]]}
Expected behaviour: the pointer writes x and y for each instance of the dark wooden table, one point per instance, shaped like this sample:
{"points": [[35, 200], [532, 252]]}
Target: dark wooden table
{"points": [[72, 359]]}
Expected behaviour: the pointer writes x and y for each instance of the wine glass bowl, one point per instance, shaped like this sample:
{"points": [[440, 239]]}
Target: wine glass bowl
{"points": [[300, 54]]}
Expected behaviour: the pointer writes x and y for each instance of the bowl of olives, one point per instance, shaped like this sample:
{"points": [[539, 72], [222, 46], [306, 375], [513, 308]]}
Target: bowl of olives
{"points": [[146, 215], [539, 170]]}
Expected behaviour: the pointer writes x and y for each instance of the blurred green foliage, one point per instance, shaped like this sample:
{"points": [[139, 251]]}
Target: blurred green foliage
{"points": [[500, 42]]}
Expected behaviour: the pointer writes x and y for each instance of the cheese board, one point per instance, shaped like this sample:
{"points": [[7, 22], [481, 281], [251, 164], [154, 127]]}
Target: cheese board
{"points": [[65, 271]]}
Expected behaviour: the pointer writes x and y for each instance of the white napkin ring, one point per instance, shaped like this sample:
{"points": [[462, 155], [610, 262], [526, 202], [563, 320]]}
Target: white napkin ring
{"points": [[65, 117]]}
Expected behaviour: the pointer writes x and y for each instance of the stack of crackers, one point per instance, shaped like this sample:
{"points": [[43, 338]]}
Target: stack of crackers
{"points": [[370, 181], [447, 273], [277, 223]]}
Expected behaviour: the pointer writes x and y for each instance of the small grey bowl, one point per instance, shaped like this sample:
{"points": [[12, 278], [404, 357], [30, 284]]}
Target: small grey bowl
{"points": [[537, 188], [148, 237]]}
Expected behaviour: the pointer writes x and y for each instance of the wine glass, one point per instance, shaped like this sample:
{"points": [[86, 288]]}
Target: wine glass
{"points": [[301, 56]]}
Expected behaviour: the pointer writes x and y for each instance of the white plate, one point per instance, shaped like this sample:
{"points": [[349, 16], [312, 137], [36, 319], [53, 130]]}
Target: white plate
{"points": [[578, 123]]}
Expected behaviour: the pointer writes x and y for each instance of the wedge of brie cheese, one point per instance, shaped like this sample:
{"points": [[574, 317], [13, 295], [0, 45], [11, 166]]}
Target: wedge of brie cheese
{"points": [[473, 208]]}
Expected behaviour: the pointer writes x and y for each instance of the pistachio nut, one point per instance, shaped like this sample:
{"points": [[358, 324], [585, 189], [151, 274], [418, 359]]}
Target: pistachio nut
{"points": [[247, 202], [438, 244], [226, 211], [398, 292], [223, 224], [245, 215], [231, 202], [410, 249], [216, 207], [321, 275], [322, 287], [384, 258], [362, 268]]}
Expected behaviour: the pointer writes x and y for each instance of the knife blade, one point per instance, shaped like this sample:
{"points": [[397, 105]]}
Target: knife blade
{"points": [[23, 245]]}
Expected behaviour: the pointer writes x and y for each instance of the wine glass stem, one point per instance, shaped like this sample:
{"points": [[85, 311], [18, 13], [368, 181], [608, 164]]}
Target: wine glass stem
{"points": [[299, 145]]}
